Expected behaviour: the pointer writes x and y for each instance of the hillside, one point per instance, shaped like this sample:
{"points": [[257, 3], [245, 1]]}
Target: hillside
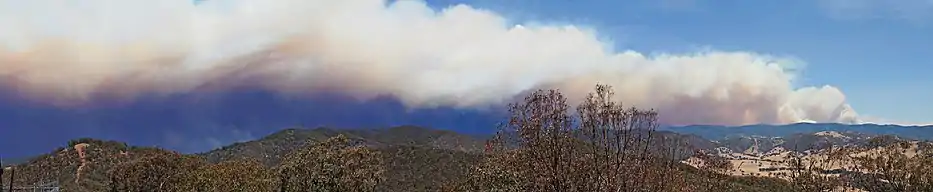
{"points": [[832, 155], [272, 148], [716, 132], [61, 165], [420, 159], [7, 162], [424, 159], [412, 168]]}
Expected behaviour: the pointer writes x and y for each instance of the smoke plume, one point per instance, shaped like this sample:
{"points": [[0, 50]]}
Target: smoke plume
{"points": [[69, 53]]}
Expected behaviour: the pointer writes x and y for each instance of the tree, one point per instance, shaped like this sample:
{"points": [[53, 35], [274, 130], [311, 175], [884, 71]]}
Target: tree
{"points": [[542, 148], [236, 175], [333, 165], [884, 164], [159, 172], [713, 162], [620, 141], [887, 166], [809, 172]]}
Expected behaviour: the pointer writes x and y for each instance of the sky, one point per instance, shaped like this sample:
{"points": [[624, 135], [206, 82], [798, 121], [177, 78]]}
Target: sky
{"points": [[878, 52], [192, 76]]}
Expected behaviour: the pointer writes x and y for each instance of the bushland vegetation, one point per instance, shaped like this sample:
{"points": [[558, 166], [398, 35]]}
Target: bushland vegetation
{"points": [[545, 145]]}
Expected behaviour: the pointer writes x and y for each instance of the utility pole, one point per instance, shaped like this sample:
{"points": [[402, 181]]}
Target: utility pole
{"points": [[1, 173], [12, 175]]}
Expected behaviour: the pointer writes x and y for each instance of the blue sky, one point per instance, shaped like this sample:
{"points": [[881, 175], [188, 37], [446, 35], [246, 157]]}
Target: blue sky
{"points": [[880, 54]]}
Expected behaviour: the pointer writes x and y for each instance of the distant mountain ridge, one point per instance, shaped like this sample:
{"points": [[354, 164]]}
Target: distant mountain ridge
{"points": [[718, 132], [272, 148], [799, 142]]}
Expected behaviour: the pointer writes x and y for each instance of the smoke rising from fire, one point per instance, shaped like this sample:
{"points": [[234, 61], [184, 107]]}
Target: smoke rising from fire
{"points": [[67, 53]]}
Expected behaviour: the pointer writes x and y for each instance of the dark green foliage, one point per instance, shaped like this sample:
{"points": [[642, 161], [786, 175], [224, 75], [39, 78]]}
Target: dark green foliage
{"points": [[163, 172], [61, 165], [336, 164], [234, 176], [411, 168], [96, 142], [271, 149]]}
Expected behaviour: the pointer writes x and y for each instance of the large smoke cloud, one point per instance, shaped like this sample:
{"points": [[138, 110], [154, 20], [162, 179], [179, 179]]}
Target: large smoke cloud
{"points": [[68, 53]]}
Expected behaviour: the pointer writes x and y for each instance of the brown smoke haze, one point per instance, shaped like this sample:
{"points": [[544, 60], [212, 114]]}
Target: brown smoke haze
{"points": [[68, 53]]}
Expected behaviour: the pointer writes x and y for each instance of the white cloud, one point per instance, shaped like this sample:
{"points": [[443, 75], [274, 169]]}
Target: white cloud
{"points": [[67, 53]]}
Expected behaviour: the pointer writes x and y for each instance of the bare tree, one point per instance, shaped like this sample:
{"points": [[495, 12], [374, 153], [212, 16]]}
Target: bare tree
{"points": [[809, 172], [542, 148], [619, 141], [888, 167], [881, 165]]}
